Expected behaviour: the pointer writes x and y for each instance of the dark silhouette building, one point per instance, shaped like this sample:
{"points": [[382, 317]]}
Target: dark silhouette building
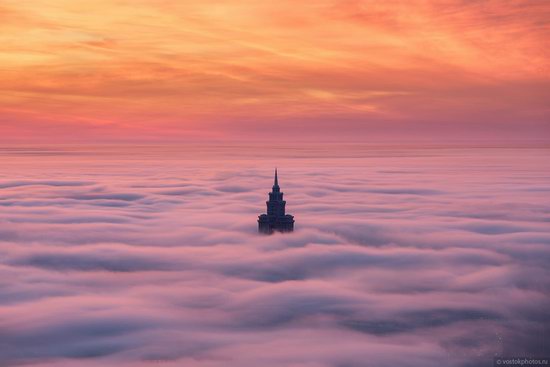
{"points": [[275, 219]]}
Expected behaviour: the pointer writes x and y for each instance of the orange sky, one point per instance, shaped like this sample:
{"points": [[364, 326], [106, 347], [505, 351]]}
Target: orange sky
{"points": [[159, 70]]}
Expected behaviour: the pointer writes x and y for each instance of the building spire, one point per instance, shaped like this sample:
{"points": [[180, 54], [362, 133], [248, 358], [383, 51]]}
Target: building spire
{"points": [[276, 187]]}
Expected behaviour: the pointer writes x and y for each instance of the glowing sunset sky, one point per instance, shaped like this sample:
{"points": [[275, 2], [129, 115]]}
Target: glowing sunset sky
{"points": [[140, 70]]}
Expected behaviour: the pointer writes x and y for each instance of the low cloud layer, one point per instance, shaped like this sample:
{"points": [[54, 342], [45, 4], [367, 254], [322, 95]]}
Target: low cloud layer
{"points": [[413, 258]]}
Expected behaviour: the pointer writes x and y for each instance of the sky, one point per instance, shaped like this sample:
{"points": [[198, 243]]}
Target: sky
{"points": [[242, 70], [133, 257]]}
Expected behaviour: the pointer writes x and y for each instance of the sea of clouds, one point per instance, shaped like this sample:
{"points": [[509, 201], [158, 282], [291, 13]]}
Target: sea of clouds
{"points": [[145, 256]]}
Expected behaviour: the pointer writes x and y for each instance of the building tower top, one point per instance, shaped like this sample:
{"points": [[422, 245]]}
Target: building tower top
{"points": [[275, 219]]}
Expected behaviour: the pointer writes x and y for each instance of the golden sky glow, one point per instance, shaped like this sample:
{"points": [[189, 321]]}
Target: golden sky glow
{"points": [[140, 70]]}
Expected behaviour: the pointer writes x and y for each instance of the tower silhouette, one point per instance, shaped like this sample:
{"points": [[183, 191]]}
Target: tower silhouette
{"points": [[275, 219]]}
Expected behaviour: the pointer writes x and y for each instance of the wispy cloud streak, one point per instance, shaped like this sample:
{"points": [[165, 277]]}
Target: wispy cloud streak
{"points": [[158, 70]]}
